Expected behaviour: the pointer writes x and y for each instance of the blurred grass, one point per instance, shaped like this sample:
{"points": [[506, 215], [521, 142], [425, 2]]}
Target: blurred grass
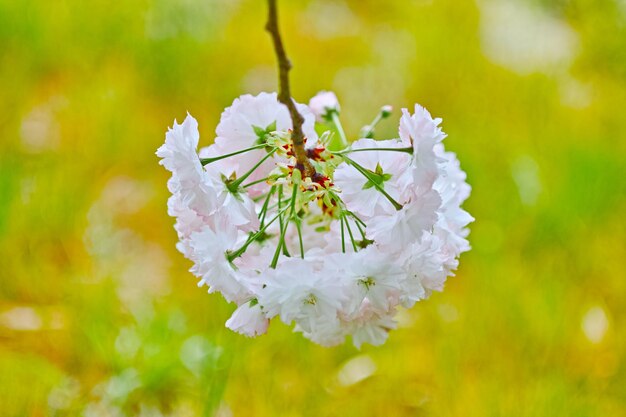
{"points": [[98, 315]]}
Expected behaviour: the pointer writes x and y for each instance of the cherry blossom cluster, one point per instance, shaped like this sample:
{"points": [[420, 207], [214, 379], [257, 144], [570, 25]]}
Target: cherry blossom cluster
{"points": [[377, 227]]}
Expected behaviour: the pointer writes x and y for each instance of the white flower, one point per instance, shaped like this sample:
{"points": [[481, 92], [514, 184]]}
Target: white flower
{"points": [[236, 129], [401, 231], [189, 182], [325, 332], [179, 151], [389, 168], [454, 191], [248, 320], [332, 238], [234, 167], [374, 275], [323, 103], [244, 124], [422, 132], [187, 220], [398, 230], [451, 227], [424, 270], [296, 291], [451, 180], [238, 209], [209, 253], [370, 326]]}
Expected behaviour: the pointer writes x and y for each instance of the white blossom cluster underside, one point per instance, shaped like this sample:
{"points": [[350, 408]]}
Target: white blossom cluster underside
{"points": [[378, 227]]}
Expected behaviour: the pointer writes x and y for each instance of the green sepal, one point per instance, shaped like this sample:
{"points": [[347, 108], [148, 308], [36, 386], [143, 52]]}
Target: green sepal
{"points": [[260, 132], [263, 132], [364, 243], [377, 178]]}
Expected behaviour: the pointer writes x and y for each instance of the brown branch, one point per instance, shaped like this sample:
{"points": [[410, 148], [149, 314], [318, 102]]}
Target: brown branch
{"points": [[284, 93]]}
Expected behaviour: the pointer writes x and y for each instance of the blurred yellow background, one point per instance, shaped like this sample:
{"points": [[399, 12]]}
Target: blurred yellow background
{"points": [[98, 314]]}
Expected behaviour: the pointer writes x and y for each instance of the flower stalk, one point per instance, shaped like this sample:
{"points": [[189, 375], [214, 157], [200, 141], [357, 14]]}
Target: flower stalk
{"points": [[281, 240], [408, 150], [231, 256], [368, 130], [284, 93], [374, 182], [342, 134], [234, 186], [206, 161]]}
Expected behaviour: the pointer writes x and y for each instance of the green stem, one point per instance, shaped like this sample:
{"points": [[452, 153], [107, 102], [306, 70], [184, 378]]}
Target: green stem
{"points": [[280, 225], [283, 226], [368, 131], [350, 233], [236, 254], [263, 212], [286, 222], [276, 254], [408, 150], [339, 127], [343, 238], [356, 218], [250, 184], [273, 206], [206, 161], [259, 198], [359, 227], [294, 193], [367, 175], [292, 215], [281, 239], [299, 227], [233, 186]]}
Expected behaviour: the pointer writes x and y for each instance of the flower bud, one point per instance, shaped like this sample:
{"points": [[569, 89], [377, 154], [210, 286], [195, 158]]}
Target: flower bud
{"points": [[385, 111], [248, 320], [367, 132], [323, 104]]}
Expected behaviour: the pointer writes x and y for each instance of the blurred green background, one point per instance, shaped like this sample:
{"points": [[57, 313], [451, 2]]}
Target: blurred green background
{"points": [[98, 314]]}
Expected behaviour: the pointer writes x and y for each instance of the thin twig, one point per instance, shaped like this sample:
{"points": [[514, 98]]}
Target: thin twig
{"points": [[284, 94]]}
